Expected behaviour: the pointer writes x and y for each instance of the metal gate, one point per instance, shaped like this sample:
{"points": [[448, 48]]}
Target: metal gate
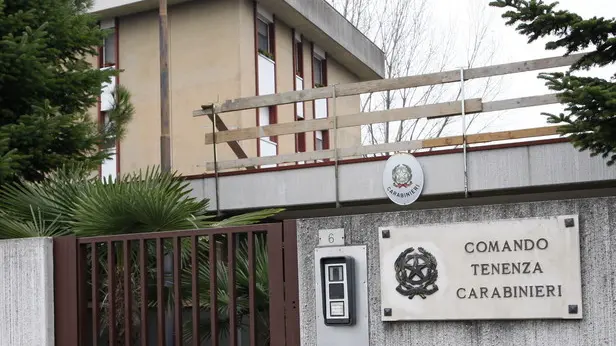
{"points": [[224, 286]]}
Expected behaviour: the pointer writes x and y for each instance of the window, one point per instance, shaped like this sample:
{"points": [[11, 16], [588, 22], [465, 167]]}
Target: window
{"points": [[299, 58], [318, 66], [273, 119], [108, 125], [109, 167], [109, 49], [263, 36], [321, 140], [300, 140], [318, 140]]}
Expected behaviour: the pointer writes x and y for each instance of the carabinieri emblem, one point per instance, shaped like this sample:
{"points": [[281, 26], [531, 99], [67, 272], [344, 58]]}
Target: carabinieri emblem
{"points": [[401, 175], [416, 273]]}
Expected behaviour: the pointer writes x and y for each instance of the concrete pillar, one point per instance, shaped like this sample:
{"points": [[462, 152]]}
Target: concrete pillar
{"points": [[26, 292]]}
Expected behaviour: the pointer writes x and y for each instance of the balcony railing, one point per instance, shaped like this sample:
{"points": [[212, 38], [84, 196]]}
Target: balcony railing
{"points": [[458, 108]]}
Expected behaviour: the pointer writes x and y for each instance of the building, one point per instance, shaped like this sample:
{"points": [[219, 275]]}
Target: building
{"points": [[225, 49]]}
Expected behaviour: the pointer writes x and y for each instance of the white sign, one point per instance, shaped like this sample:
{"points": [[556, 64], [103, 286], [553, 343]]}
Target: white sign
{"points": [[403, 179], [508, 269], [331, 237]]}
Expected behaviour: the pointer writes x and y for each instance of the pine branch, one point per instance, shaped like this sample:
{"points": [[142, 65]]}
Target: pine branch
{"points": [[537, 19], [119, 116], [48, 87], [590, 103]]}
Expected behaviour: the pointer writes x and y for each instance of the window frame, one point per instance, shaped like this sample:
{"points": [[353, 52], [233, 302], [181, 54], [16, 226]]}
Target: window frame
{"points": [[270, 38], [321, 63], [273, 119], [260, 23], [111, 37], [298, 59], [300, 138], [317, 140]]}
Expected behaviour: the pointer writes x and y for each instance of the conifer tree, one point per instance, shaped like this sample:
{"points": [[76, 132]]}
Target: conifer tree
{"points": [[47, 87], [590, 103]]}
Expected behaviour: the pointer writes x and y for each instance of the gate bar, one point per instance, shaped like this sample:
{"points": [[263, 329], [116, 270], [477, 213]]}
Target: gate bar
{"points": [[113, 255], [213, 290], [195, 290], [66, 315], [275, 273]]}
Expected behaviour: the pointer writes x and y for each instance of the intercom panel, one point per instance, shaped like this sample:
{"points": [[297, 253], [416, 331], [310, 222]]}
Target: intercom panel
{"points": [[347, 263], [338, 288]]}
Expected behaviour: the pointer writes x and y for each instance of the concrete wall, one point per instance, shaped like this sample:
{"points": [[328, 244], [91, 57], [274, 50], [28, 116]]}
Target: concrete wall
{"points": [[338, 74], [211, 58], [211, 55], [26, 292], [597, 237], [316, 18]]}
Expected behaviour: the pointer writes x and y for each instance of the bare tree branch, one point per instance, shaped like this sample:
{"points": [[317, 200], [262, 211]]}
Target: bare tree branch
{"points": [[413, 45]]}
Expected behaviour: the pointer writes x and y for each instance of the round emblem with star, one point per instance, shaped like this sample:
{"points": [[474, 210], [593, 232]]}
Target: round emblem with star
{"points": [[403, 179], [416, 273]]}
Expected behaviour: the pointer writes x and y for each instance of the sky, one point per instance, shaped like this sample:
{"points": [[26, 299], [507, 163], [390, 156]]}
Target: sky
{"points": [[512, 47]]}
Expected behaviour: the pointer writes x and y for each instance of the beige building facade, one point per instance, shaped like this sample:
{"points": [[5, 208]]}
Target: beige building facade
{"points": [[225, 49]]}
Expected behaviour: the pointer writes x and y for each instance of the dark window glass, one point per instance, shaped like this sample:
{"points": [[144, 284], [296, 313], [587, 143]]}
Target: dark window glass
{"points": [[318, 71], [263, 36], [299, 63], [109, 49], [319, 140]]}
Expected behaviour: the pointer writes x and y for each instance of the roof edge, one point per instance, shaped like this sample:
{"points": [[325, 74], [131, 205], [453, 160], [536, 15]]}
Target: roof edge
{"points": [[321, 23]]}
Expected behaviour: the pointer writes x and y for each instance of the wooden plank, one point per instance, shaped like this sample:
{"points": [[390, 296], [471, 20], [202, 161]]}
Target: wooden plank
{"points": [[388, 147], [491, 137], [389, 84], [272, 160], [319, 155], [235, 146], [520, 102], [437, 110], [271, 130]]}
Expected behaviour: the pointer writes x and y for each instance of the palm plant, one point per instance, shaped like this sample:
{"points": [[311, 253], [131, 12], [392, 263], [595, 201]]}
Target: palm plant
{"points": [[73, 202], [242, 288]]}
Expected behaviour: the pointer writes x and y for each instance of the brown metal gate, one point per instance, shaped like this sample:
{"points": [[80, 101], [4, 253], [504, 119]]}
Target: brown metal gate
{"points": [[157, 288]]}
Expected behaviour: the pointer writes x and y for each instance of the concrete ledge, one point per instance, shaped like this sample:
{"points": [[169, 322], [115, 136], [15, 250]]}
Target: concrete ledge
{"points": [[557, 165], [113, 8], [26, 292], [321, 23]]}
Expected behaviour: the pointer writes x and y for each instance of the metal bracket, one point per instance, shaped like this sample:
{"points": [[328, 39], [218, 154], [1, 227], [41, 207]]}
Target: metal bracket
{"points": [[464, 143], [215, 148], [335, 134]]}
